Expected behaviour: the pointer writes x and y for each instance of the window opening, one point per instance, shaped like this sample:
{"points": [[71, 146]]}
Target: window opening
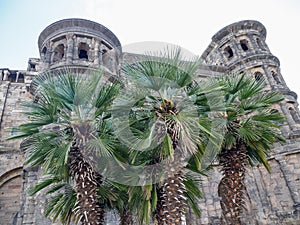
{"points": [[244, 45], [83, 51], [228, 52]]}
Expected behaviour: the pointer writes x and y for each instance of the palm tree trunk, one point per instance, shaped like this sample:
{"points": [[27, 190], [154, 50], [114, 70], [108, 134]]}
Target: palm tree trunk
{"points": [[172, 201], [126, 217], [88, 209], [231, 187], [171, 206]]}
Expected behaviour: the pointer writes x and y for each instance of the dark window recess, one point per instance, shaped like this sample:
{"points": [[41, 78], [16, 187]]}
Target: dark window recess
{"points": [[244, 45], [258, 76], [83, 51], [12, 77], [228, 52], [83, 54], [21, 78]]}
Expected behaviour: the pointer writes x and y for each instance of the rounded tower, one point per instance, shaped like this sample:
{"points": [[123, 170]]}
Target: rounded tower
{"points": [[78, 42], [241, 47]]}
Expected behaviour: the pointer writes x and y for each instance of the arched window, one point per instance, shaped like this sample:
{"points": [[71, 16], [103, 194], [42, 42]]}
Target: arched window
{"points": [[228, 52], [59, 53], [258, 76], [44, 50], [83, 51], [244, 44]]}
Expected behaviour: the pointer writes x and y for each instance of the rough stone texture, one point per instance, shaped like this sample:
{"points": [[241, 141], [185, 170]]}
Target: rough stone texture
{"points": [[272, 198]]}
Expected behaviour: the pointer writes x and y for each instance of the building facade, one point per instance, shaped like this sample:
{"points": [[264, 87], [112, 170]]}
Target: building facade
{"points": [[272, 198]]}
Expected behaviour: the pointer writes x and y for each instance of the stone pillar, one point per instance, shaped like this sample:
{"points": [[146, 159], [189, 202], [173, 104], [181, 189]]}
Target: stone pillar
{"points": [[70, 48], [51, 53], [75, 55], [253, 43], [288, 116], [6, 74], [17, 77], [97, 54], [269, 76], [47, 56], [235, 48], [287, 174]]}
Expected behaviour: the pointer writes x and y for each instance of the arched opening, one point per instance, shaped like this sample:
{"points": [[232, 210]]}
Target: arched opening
{"points": [[83, 51], [43, 53], [244, 44], [228, 52], [258, 76], [59, 53], [44, 50], [10, 191]]}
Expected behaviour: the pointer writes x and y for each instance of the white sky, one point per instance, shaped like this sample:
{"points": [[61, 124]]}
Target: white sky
{"points": [[187, 23]]}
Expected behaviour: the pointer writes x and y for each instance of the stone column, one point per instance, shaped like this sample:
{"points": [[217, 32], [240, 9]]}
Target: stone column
{"points": [[75, 42], [287, 175], [253, 44], [6, 74], [47, 57], [70, 47], [269, 76], [17, 77], [97, 54]]}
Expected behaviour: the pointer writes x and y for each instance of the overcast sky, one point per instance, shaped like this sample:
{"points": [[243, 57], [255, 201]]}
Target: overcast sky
{"points": [[187, 23]]}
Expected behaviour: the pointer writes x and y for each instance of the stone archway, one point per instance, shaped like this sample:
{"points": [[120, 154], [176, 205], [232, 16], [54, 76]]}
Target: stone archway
{"points": [[10, 191]]}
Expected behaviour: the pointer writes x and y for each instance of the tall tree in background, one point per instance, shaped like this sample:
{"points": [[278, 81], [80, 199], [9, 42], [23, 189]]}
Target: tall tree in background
{"points": [[251, 130]]}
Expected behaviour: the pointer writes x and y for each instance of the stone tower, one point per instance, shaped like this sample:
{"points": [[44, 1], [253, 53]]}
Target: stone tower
{"points": [[241, 47], [272, 198], [79, 43]]}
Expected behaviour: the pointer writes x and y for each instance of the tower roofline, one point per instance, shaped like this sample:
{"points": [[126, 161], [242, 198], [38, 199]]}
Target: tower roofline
{"points": [[78, 25], [241, 25]]}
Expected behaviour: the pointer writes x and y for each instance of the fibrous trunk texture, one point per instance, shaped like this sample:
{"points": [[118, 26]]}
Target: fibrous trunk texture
{"points": [[88, 210], [231, 187], [171, 205], [126, 217], [172, 201]]}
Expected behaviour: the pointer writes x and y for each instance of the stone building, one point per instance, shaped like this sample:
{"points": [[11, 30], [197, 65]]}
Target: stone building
{"points": [[272, 198]]}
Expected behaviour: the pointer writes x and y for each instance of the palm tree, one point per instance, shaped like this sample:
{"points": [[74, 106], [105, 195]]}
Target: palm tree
{"points": [[251, 129], [67, 127], [158, 117]]}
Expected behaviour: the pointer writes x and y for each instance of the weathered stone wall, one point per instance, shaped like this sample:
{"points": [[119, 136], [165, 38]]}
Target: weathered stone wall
{"points": [[12, 96]]}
